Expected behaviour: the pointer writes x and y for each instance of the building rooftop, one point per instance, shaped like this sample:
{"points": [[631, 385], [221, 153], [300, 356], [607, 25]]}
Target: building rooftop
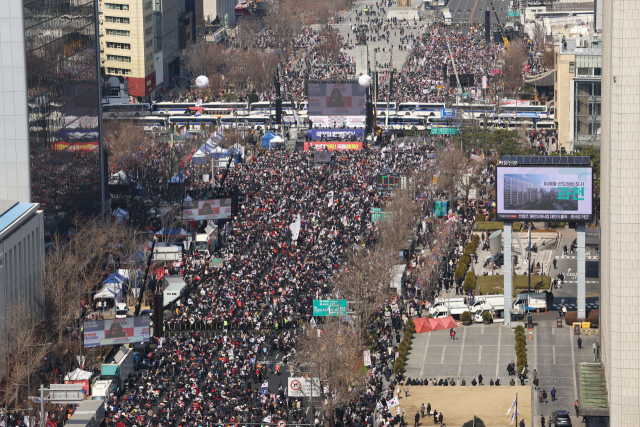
{"points": [[592, 391], [11, 211]]}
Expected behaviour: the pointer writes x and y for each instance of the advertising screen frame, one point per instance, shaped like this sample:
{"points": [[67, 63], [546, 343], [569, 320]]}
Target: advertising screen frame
{"points": [[399, 177], [351, 94], [218, 210], [549, 216], [95, 331]]}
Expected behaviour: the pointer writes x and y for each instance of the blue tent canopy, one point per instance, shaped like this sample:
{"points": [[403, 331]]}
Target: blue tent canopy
{"points": [[178, 178], [115, 278], [266, 138]]}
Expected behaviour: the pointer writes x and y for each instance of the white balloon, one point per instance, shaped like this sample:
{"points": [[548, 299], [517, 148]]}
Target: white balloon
{"points": [[364, 80], [202, 82]]}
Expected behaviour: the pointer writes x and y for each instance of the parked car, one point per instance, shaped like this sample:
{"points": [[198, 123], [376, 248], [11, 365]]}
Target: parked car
{"points": [[561, 418]]}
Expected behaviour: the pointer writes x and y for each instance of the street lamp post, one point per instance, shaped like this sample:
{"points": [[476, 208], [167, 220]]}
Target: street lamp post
{"points": [[29, 367]]}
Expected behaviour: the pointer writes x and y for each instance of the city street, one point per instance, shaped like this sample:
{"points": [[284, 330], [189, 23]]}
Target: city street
{"points": [[472, 11]]}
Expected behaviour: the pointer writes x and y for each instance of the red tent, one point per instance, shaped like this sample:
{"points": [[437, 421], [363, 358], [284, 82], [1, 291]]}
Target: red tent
{"points": [[422, 325], [449, 322], [435, 324]]}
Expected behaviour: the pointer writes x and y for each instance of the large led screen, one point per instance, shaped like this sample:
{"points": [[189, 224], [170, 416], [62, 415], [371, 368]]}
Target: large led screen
{"points": [[200, 210], [544, 193], [116, 331], [336, 99]]}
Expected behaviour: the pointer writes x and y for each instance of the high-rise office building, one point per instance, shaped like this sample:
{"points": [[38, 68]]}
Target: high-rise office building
{"points": [[126, 44], [620, 210], [50, 141]]}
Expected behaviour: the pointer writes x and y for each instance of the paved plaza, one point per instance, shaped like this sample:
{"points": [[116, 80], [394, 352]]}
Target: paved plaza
{"points": [[487, 349]]}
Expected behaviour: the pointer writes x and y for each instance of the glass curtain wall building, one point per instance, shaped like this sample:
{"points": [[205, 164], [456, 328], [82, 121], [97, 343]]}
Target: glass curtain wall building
{"points": [[67, 159]]}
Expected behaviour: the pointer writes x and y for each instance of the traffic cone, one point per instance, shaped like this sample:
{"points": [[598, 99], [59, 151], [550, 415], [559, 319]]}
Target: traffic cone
{"points": [[537, 311], [545, 310], [530, 334]]}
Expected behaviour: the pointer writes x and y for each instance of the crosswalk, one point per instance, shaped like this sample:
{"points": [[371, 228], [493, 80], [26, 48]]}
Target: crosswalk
{"points": [[592, 257], [595, 304]]}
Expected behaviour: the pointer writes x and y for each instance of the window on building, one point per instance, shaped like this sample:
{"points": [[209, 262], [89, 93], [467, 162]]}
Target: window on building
{"points": [[121, 33], [115, 6], [149, 56], [588, 109], [572, 67], [117, 19], [148, 5], [119, 71], [150, 69], [112, 45], [148, 44], [148, 31], [148, 18], [118, 58]]}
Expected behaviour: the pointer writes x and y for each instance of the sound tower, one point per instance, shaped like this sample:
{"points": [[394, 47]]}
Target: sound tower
{"points": [[278, 102], [158, 321], [444, 72], [487, 26]]}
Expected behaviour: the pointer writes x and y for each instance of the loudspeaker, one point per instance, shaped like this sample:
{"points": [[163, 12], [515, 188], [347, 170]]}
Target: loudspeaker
{"points": [[234, 201], [278, 102], [158, 321], [444, 72], [487, 26]]}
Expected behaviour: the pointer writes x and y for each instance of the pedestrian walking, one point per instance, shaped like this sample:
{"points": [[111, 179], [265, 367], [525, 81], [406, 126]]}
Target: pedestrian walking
{"points": [[579, 342], [441, 419], [536, 382], [564, 253], [521, 379], [577, 406], [480, 379], [550, 421], [564, 310], [417, 420], [406, 390], [553, 394], [542, 420], [555, 262], [544, 396], [422, 409], [522, 423], [540, 398]]}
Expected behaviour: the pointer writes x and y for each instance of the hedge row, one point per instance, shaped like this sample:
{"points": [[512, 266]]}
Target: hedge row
{"points": [[521, 350], [404, 347], [465, 260]]}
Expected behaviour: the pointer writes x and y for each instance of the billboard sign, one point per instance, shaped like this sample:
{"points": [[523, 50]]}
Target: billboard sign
{"points": [[333, 133], [303, 387], [449, 113], [329, 307], [333, 146], [336, 99], [99, 333], [197, 210], [322, 156], [391, 181], [545, 193]]}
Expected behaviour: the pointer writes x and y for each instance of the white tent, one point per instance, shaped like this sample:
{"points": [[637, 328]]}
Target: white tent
{"points": [[110, 290], [78, 375], [120, 216]]}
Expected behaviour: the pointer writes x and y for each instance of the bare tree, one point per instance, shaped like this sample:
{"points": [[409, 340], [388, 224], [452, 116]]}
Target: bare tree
{"points": [[548, 55], [452, 166], [246, 32], [204, 58], [513, 63]]}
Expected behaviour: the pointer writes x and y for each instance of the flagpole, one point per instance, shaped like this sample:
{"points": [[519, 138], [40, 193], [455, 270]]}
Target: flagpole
{"points": [[516, 409]]}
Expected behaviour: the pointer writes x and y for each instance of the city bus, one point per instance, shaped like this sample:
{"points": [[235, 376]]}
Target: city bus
{"points": [[381, 106], [421, 109], [168, 108], [194, 122], [403, 122], [256, 121], [475, 111], [267, 107], [541, 111], [134, 110]]}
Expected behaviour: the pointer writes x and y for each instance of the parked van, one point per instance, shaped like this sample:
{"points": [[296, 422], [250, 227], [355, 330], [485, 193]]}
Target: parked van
{"points": [[488, 303], [121, 310]]}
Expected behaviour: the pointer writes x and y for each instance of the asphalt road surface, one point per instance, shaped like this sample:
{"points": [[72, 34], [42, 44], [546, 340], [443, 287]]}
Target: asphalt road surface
{"points": [[472, 11]]}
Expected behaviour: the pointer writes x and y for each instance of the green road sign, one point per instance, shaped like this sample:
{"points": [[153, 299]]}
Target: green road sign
{"points": [[444, 131], [512, 12], [381, 216], [215, 263], [376, 209], [329, 307]]}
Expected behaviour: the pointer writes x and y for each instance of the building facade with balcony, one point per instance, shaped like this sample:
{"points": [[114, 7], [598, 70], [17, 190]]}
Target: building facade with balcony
{"points": [[578, 70], [127, 44]]}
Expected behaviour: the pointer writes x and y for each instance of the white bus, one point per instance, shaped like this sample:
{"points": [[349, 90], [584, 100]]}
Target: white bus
{"points": [[194, 122], [255, 121], [134, 110], [333, 122], [381, 106], [421, 109], [403, 122], [266, 107], [541, 111], [475, 111], [168, 108]]}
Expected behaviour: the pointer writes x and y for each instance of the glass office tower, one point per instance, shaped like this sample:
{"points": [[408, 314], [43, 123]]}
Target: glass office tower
{"points": [[67, 161]]}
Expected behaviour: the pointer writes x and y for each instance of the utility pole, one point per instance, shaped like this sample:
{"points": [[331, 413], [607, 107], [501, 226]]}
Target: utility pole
{"points": [[455, 71]]}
